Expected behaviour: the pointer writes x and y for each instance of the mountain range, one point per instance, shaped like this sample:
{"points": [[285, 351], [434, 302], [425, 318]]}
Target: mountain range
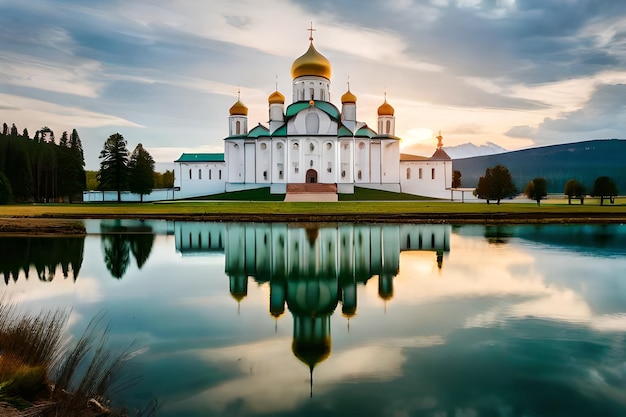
{"points": [[584, 161], [468, 150]]}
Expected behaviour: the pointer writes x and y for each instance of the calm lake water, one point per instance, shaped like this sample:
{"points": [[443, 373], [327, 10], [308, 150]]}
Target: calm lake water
{"points": [[346, 320]]}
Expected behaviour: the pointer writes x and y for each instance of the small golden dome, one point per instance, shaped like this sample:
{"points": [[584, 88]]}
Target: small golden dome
{"points": [[348, 97], [311, 63], [276, 98], [238, 109], [385, 109]]}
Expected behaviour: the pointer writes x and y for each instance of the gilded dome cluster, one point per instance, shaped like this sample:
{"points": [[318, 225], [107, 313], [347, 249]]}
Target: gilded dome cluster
{"points": [[311, 63]]}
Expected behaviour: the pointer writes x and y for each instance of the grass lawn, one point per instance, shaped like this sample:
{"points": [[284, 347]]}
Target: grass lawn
{"points": [[342, 211]]}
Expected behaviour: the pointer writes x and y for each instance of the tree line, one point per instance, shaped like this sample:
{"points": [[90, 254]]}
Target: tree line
{"points": [[497, 184], [38, 169]]}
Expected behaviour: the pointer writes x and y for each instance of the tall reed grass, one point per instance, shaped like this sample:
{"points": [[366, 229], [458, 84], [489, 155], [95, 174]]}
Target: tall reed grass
{"points": [[43, 376]]}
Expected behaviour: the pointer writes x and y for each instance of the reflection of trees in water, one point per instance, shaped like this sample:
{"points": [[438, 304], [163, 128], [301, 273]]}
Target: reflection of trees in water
{"points": [[116, 254], [120, 240], [45, 255], [499, 234]]}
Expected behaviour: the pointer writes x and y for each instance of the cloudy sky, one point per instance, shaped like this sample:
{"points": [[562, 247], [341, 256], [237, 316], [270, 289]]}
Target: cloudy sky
{"points": [[164, 73]]}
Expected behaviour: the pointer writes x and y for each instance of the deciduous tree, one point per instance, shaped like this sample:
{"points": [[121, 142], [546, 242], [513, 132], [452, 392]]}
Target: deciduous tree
{"points": [[496, 184], [536, 189], [574, 189], [604, 187]]}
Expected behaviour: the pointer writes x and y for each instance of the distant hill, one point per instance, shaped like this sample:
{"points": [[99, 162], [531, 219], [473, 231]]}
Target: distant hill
{"points": [[584, 161]]}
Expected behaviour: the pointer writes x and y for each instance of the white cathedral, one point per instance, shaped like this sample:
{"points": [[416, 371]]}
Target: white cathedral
{"points": [[312, 146]]}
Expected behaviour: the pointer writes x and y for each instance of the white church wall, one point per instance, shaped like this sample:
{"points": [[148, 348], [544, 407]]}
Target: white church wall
{"points": [[361, 161], [346, 162], [234, 156], [250, 162], [280, 159], [296, 169], [312, 157], [431, 181], [375, 163], [390, 161], [263, 161], [328, 165]]}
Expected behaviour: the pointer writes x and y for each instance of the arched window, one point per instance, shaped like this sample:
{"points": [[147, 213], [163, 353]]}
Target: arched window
{"points": [[388, 126], [237, 127], [199, 174], [432, 173], [189, 173], [312, 123], [419, 172], [408, 173]]}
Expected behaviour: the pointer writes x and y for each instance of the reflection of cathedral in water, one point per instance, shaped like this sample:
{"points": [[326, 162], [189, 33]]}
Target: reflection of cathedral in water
{"points": [[311, 268]]}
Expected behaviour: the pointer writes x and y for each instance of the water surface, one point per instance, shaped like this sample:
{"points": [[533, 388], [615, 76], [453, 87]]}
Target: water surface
{"points": [[342, 319]]}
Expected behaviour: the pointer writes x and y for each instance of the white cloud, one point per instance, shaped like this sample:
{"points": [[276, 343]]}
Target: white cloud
{"points": [[75, 78], [57, 117]]}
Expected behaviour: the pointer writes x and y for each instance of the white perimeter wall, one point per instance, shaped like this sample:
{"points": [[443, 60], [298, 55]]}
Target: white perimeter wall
{"points": [[426, 185]]}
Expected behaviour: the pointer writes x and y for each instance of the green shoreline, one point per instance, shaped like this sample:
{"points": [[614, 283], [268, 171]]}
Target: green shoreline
{"points": [[60, 219]]}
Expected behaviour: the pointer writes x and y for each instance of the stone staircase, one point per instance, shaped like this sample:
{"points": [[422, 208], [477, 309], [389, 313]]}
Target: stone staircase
{"points": [[311, 192]]}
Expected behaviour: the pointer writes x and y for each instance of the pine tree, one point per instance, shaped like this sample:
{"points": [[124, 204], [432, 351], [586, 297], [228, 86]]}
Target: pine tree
{"points": [[113, 174], [14, 130], [78, 177], [141, 167]]}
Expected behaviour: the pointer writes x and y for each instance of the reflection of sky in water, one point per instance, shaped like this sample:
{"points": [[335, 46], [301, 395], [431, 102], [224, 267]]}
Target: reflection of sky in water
{"points": [[512, 324]]}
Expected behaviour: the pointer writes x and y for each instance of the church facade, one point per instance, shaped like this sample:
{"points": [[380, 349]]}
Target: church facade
{"points": [[312, 141]]}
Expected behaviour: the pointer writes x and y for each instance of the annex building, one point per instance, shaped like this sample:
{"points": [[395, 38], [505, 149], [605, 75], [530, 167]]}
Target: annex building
{"points": [[312, 145]]}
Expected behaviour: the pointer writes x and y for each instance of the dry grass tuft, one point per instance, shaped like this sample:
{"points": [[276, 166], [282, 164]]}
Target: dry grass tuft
{"points": [[42, 377]]}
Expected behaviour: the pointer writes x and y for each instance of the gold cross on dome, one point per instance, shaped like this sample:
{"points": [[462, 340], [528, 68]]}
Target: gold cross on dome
{"points": [[311, 30]]}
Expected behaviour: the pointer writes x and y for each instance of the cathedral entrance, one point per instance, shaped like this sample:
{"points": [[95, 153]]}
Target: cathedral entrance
{"points": [[311, 176]]}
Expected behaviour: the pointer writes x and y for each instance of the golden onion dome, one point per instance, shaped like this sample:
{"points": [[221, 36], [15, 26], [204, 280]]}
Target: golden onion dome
{"points": [[276, 98], [348, 97], [385, 109], [238, 109], [311, 63]]}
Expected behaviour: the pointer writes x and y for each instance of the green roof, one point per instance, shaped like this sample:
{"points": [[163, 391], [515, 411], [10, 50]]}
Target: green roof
{"points": [[281, 131], [201, 157], [344, 131], [324, 106], [365, 131], [259, 130]]}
